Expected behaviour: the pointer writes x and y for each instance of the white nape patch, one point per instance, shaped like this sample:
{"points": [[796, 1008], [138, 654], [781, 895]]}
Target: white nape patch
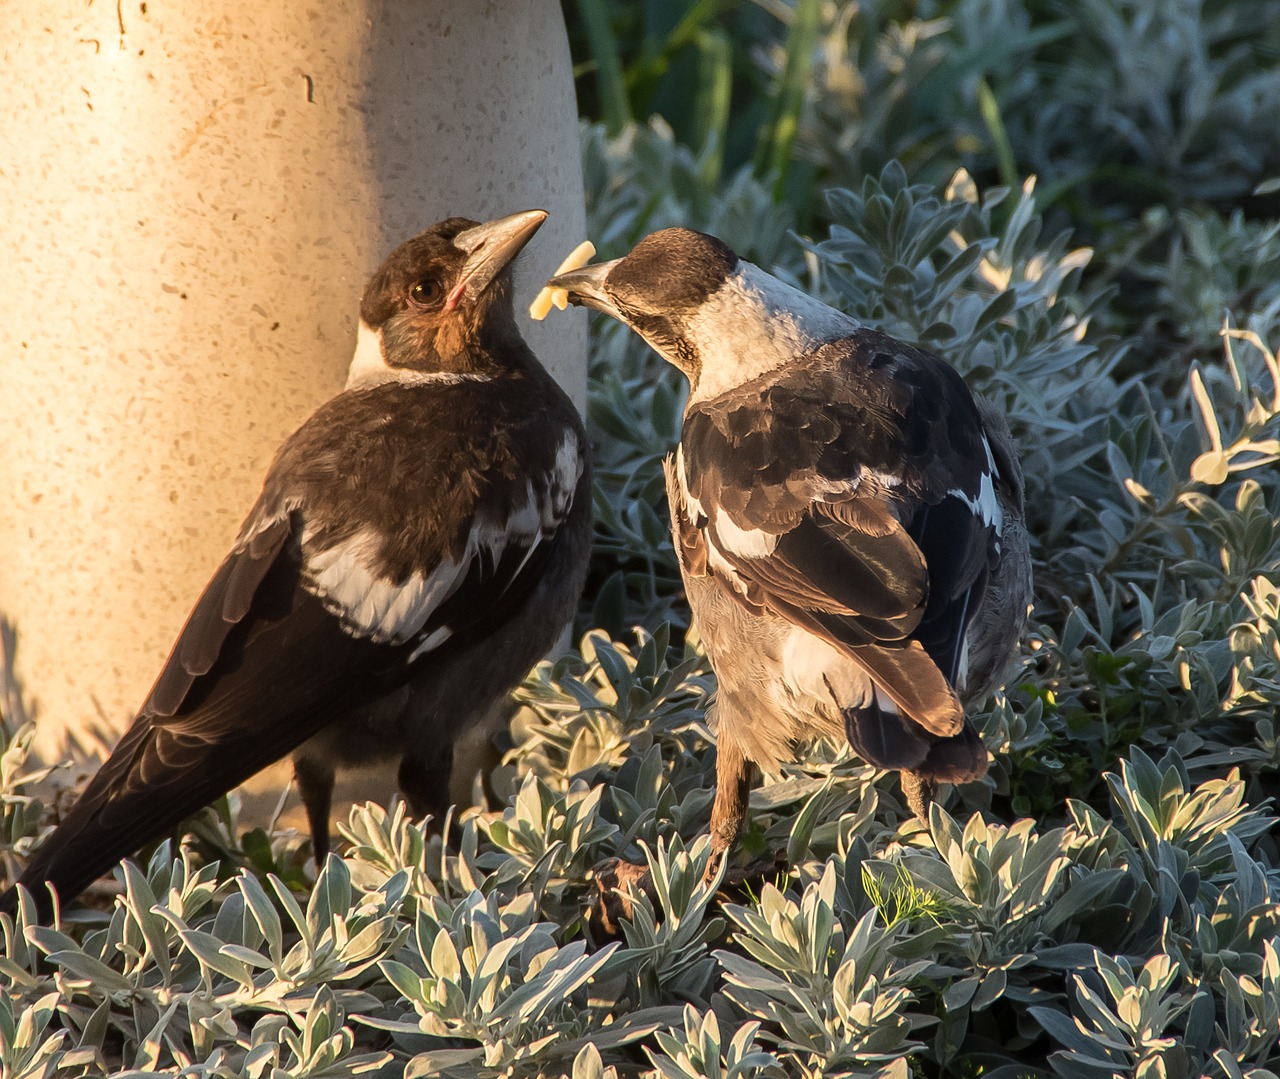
{"points": [[369, 604], [986, 505], [369, 366], [755, 323], [743, 542]]}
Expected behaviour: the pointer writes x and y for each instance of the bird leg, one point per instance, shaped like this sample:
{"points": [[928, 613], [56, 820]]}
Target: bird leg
{"points": [[733, 789], [315, 786], [920, 791], [424, 782], [615, 878]]}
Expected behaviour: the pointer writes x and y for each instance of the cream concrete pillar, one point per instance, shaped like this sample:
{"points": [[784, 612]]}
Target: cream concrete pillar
{"points": [[192, 197]]}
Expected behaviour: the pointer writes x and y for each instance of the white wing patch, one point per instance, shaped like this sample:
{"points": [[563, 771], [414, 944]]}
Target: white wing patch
{"points": [[369, 604], [692, 507], [434, 639], [349, 579], [986, 505], [564, 480], [750, 543], [962, 672], [808, 665], [743, 542], [815, 670]]}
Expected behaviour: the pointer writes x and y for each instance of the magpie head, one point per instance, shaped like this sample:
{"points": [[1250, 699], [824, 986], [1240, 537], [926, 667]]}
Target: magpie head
{"points": [[438, 296], [659, 289], [718, 318]]}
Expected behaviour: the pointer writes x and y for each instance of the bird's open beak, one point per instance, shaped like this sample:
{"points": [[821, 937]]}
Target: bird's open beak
{"points": [[586, 287], [489, 249]]}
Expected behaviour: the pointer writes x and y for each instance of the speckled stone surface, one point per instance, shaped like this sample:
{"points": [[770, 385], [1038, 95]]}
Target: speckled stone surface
{"points": [[193, 196]]}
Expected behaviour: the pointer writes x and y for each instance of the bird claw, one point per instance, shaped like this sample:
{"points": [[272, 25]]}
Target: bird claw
{"points": [[614, 879], [617, 881]]}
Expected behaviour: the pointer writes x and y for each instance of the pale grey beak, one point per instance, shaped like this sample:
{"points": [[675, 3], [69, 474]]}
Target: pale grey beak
{"points": [[489, 249], [586, 287]]}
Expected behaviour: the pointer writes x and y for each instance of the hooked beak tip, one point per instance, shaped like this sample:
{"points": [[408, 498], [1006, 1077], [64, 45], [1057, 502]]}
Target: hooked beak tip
{"points": [[586, 287]]}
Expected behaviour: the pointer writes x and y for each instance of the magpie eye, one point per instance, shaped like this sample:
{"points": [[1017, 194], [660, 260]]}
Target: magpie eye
{"points": [[427, 291]]}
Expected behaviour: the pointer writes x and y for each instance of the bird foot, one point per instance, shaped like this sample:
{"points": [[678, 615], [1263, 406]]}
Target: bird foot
{"points": [[617, 880], [612, 878]]}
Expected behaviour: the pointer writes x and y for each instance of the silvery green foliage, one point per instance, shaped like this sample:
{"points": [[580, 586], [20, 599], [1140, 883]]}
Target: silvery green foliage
{"points": [[1172, 88], [20, 809], [1214, 264], [892, 946], [189, 976], [885, 88], [698, 1050], [497, 993], [837, 996], [644, 180]]}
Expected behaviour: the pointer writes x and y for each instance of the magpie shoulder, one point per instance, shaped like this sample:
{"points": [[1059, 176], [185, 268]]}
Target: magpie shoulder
{"points": [[862, 406]]}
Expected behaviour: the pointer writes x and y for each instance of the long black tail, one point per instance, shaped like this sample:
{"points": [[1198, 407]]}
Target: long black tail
{"points": [[884, 737], [133, 800]]}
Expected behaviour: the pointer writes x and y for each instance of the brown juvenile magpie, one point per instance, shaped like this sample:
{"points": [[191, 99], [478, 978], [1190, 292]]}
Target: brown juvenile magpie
{"points": [[847, 516], [418, 545]]}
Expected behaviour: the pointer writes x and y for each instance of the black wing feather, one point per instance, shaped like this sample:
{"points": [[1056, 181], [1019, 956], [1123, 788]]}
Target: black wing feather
{"points": [[226, 601], [263, 663], [282, 672], [864, 461], [955, 545]]}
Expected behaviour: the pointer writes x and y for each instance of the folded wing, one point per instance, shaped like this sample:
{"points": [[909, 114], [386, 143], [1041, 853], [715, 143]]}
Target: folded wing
{"points": [[853, 495], [305, 621]]}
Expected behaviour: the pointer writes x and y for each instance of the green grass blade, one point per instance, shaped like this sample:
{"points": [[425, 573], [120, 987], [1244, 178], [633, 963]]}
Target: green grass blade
{"points": [[990, 109], [777, 136], [603, 43], [715, 76]]}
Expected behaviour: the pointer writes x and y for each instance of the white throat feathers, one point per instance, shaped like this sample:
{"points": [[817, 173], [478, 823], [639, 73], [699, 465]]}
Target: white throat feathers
{"points": [[369, 366]]}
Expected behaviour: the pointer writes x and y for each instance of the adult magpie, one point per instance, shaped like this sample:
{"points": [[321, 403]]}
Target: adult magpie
{"points": [[847, 516], [419, 543]]}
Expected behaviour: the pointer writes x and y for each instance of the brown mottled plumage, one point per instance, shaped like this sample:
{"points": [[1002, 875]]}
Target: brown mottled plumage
{"points": [[847, 516], [418, 545]]}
